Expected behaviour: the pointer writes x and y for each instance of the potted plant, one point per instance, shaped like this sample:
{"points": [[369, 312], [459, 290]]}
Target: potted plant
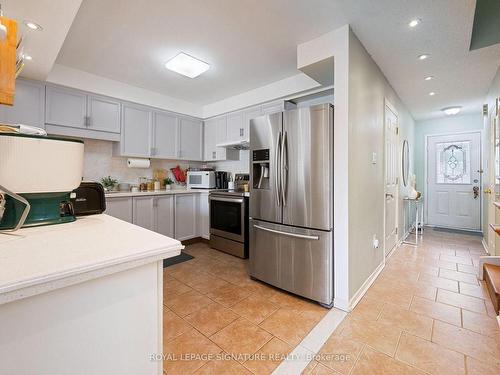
{"points": [[109, 183], [168, 183]]}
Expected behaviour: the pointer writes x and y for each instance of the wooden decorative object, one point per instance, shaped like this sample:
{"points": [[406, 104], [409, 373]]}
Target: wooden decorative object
{"points": [[8, 62]]}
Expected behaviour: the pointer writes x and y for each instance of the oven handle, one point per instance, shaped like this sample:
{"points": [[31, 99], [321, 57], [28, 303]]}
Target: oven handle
{"points": [[231, 200], [287, 233]]}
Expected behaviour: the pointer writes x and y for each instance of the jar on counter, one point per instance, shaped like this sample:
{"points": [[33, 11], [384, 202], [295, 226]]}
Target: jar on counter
{"points": [[157, 185], [150, 185], [143, 184]]}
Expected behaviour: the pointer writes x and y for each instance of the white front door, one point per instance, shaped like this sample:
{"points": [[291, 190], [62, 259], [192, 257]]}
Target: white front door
{"points": [[392, 161], [454, 181]]}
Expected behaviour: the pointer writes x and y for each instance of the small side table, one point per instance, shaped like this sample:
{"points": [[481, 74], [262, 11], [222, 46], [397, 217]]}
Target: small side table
{"points": [[419, 215]]}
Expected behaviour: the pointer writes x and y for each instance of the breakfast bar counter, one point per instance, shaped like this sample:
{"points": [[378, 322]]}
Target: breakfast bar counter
{"points": [[83, 298]]}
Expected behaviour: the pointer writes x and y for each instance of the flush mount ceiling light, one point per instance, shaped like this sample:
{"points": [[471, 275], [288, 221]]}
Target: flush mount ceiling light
{"points": [[423, 56], [450, 111], [432, 93], [429, 78], [33, 26], [187, 65], [415, 22]]}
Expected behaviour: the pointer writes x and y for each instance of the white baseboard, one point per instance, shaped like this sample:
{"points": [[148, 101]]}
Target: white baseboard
{"points": [[341, 304], [361, 291], [485, 246]]}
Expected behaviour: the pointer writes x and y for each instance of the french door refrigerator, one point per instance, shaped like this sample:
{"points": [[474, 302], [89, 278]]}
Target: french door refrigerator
{"points": [[291, 201]]}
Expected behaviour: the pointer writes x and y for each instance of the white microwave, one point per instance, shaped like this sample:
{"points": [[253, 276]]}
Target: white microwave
{"points": [[201, 179]]}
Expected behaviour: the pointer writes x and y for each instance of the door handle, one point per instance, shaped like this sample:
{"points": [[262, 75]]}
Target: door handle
{"points": [[475, 190], [487, 191], [284, 168], [388, 195], [277, 184], [303, 236]]}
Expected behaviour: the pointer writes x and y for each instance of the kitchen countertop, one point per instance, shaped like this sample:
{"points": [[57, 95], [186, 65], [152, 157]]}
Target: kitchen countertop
{"points": [[40, 259], [119, 194]]}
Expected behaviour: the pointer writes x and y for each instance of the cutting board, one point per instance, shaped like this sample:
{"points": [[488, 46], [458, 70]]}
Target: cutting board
{"points": [[8, 62]]}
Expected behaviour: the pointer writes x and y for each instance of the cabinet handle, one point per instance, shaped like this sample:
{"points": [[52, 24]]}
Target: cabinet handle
{"points": [[214, 154], [242, 132]]}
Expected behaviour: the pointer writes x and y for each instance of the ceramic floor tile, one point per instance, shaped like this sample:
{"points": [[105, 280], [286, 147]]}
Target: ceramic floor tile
{"points": [[255, 308], [187, 303], [267, 358], [226, 367], [474, 290], [455, 259], [475, 367], [467, 269], [211, 318], [429, 357], [228, 295], [458, 276], [483, 348], [367, 308], [316, 368], [209, 284], [241, 339], [174, 287], [372, 362], [436, 310], [416, 324], [173, 325], [460, 300], [188, 344], [340, 353], [288, 325], [480, 323], [439, 282]]}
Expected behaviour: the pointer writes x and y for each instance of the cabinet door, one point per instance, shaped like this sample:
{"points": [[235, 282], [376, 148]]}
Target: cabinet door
{"points": [[210, 140], [29, 105], [222, 153], [203, 216], [191, 136], [143, 212], [185, 216], [248, 115], [164, 215], [136, 131], [235, 127], [103, 114], [165, 136], [65, 107], [120, 207]]}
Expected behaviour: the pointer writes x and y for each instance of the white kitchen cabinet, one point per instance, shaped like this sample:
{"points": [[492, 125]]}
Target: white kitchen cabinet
{"points": [[165, 136], [103, 114], [29, 105], [190, 139], [249, 114], [235, 126], [185, 216], [215, 132], [165, 215], [120, 207], [203, 216], [144, 212], [65, 107], [136, 131]]}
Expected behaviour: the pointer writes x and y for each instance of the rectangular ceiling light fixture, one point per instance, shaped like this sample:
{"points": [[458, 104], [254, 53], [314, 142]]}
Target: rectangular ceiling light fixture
{"points": [[187, 65]]}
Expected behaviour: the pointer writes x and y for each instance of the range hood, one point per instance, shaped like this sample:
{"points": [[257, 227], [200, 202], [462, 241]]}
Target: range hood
{"points": [[235, 145]]}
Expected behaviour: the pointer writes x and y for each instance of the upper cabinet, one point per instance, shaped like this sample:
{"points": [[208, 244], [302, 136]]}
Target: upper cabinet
{"points": [[215, 132], [190, 139], [165, 135], [29, 105], [79, 114], [136, 131], [238, 124]]}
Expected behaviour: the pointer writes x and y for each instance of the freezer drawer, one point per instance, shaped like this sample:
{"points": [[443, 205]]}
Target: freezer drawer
{"points": [[294, 259]]}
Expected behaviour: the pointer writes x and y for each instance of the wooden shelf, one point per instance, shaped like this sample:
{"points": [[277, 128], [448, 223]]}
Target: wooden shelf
{"points": [[496, 228]]}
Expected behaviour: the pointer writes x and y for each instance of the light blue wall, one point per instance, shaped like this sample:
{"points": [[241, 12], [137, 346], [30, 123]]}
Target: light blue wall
{"points": [[451, 124]]}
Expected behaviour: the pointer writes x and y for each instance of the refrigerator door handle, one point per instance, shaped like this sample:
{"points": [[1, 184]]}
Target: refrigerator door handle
{"points": [[277, 181], [284, 168], [306, 237]]}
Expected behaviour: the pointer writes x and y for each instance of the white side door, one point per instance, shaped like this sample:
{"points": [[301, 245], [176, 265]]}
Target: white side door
{"points": [[454, 181], [391, 179]]}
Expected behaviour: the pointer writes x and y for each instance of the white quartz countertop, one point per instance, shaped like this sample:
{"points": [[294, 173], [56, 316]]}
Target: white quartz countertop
{"points": [[39, 259], [119, 194]]}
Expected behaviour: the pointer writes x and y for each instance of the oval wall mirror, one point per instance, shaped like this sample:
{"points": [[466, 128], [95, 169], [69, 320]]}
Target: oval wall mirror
{"points": [[405, 162]]}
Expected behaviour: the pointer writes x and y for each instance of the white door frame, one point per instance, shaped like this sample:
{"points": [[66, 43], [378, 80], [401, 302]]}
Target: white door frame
{"points": [[388, 104], [426, 187]]}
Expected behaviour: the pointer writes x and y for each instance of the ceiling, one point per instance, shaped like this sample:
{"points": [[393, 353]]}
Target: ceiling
{"points": [[253, 43]]}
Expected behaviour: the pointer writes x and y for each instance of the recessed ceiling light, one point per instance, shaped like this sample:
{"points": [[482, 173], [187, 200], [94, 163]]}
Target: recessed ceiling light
{"points": [[432, 93], [450, 111], [415, 22], [33, 26], [187, 65], [423, 56], [28, 57], [429, 78]]}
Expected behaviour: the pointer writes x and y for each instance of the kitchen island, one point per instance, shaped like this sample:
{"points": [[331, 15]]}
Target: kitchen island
{"points": [[82, 298]]}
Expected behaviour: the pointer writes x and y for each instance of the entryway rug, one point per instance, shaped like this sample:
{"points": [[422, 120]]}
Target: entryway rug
{"points": [[182, 257], [458, 231]]}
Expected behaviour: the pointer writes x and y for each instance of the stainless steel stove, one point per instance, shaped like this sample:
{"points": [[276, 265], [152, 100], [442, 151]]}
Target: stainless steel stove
{"points": [[229, 220]]}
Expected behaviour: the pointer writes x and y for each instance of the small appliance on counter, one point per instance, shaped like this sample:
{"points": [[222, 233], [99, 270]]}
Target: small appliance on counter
{"points": [[201, 179], [88, 199], [221, 180], [37, 176]]}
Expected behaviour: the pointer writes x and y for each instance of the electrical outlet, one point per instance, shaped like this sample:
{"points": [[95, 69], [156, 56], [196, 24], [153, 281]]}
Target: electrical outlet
{"points": [[376, 242]]}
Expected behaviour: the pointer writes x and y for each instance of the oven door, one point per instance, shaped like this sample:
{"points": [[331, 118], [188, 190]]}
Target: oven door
{"points": [[227, 217]]}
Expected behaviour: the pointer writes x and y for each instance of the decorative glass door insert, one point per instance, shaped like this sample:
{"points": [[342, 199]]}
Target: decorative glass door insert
{"points": [[453, 163]]}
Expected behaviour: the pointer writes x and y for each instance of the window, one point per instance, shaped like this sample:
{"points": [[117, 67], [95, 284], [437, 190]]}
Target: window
{"points": [[453, 163]]}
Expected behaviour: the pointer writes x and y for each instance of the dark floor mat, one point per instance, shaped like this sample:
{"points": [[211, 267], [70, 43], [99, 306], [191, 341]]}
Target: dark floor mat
{"points": [[176, 260], [457, 231]]}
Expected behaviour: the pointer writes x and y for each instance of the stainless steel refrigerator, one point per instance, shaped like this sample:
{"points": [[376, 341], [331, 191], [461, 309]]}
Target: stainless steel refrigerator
{"points": [[291, 201]]}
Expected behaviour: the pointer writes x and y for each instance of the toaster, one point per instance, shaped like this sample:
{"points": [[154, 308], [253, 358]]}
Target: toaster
{"points": [[88, 199]]}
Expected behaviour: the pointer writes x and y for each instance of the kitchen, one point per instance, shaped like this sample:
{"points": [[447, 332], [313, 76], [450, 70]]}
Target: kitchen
{"points": [[199, 188]]}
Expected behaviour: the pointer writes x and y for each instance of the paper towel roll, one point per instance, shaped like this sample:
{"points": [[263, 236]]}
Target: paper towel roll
{"points": [[138, 163]]}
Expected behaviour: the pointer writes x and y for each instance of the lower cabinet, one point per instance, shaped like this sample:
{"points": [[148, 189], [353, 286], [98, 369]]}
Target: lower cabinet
{"points": [[144, 212], [121, 208], [165, 215], [203, 216], [185, 216]]}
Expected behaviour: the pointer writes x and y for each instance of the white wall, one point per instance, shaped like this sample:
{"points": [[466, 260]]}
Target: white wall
{"points": [[368, 88]]}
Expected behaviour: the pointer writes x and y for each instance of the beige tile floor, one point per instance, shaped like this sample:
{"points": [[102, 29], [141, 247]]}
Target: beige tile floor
{"points": [[425, 314], [212, 307]]}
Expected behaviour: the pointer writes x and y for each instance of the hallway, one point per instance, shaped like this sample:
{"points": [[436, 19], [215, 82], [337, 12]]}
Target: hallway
{"points": [[425, 313]]}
